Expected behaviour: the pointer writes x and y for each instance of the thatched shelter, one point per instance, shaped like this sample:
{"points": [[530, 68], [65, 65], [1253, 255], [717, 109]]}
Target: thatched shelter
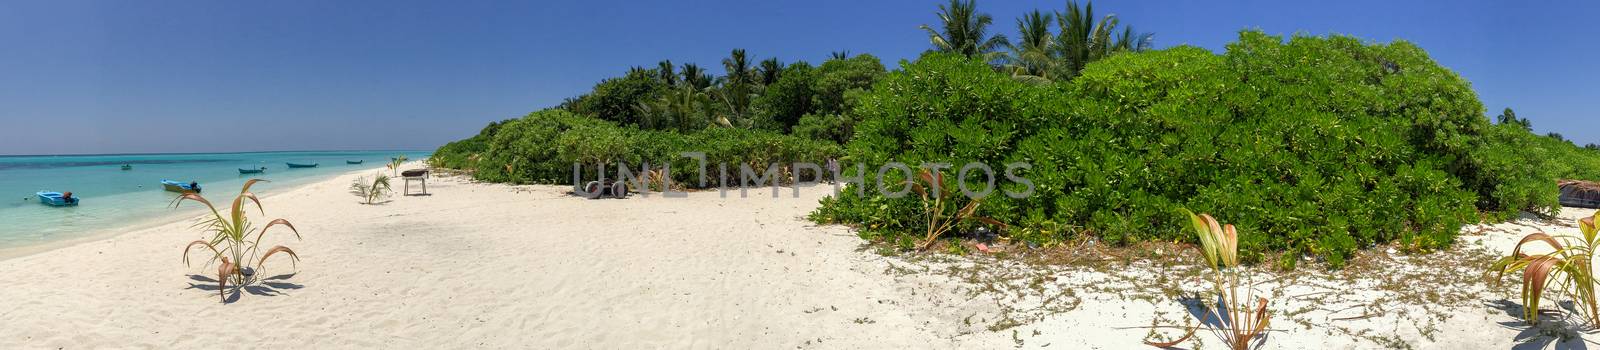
{"points": [[1578, 193]]}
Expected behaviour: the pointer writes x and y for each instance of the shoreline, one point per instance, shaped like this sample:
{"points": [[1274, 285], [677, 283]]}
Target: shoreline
{"points": [[145, 224]]}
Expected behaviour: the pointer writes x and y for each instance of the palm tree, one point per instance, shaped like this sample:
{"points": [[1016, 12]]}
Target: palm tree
{"points": [[1131, 41], [664, 70], [769, 71], [1031, 56], [684, 109], [737, 66], [695, 76], [965, 31], [839, 55], [1083, 38], [736, 90], [637, 70]]}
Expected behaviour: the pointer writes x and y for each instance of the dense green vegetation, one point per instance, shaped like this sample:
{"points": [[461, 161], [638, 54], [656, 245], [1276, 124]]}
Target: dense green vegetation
{"points": [[1311, 145], [543, 146]]}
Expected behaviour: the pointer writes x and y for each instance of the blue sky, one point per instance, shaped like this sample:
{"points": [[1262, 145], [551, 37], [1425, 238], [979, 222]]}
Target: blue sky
{"points": [[192, 76]]}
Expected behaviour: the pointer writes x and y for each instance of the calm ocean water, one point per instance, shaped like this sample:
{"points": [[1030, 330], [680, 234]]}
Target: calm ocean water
{"points": [[113, 198]]}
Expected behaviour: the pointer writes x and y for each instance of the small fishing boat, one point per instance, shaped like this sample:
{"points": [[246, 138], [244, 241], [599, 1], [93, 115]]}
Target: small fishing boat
{"points": [[180, 187], [127, 167], [57, 199], [298, 165], [353, 162], [253, 171]]}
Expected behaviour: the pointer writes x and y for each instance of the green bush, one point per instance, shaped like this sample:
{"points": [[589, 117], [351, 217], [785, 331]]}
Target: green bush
{"points": [[464, 153], [617, 99], [822, 94], [1515, 169], [543, 147], [836, 78], [1311, 146], [828, 127], [781, 106], [524, 150], [1317, 145]]}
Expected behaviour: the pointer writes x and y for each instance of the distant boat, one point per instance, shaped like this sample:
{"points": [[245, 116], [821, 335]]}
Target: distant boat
{"points": [[253, 171], [56, 199], [297, 165], [179, 187], [354, 161], [127, 167]]}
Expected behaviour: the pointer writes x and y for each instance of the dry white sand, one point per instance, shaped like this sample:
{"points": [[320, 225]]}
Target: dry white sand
{"points": [[495, 266]]}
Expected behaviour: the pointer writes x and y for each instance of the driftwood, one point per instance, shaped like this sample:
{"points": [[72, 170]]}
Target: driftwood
{"points": [[1578, 193]]}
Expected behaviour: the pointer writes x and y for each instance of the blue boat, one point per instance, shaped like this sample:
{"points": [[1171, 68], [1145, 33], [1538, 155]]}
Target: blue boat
{"points": [[298, 165], [56, 199], [179, 187], [253, 171]]}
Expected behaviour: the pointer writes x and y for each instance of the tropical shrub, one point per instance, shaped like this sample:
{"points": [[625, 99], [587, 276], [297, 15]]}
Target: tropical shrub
{"points": [[235, 242], [802, 92], [836, 79], [1319, 145], [521, 150], [787, 99], [939, 109], [464, 153], [1516, 169], [544, 146], [615, 99], [827, 127]]}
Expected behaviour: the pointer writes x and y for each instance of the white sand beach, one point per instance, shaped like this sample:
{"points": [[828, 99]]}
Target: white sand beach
{"points": [[494, 266]]}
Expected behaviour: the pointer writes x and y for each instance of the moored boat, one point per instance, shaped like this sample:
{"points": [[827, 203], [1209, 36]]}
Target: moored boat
{"points": [[127, 167], [180, 187], [298, 165], [57, 199], [353, 162], [253, 171]]}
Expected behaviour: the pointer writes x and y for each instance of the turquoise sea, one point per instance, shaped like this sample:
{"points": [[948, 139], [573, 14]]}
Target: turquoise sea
{"points": [[112, 198]]}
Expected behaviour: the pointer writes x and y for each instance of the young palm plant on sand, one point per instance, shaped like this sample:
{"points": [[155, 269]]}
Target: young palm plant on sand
{"points": [[235, 242], [395, 163], [1240, 320], [1569, 265], [937, 204], [371, 192]]}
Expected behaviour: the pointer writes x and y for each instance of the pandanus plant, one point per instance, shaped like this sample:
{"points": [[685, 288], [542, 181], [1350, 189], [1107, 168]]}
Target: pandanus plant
{"points": [[1569, 264], [937, 206], [235, 242], [1240, 320]]}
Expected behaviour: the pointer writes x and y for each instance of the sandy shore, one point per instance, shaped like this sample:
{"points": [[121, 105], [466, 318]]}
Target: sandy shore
{"points": [[495, 266]]}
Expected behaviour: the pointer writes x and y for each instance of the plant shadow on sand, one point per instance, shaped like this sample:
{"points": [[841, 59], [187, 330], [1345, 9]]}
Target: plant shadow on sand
{"points": [[1213, 321], [270, 286], [1554, 330]]}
